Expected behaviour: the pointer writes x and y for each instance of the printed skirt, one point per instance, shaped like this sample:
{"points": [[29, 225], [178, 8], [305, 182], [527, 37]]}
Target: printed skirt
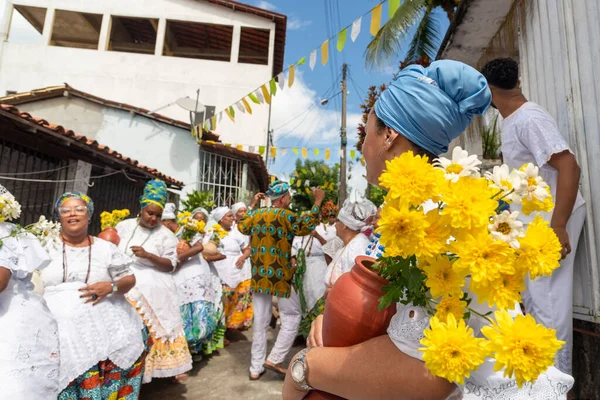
{"points": [[204, 326], [238, 306]]}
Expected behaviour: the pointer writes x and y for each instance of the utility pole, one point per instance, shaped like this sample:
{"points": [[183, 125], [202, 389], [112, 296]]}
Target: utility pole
{"points": [[343, 160]]}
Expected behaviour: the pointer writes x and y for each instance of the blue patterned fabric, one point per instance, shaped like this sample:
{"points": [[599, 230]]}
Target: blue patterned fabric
{"points": [[155, 192], [74, 195], [278, 189], [200, 322]]}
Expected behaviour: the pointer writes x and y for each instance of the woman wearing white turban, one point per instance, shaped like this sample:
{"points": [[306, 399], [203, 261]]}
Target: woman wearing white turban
{"points": [[234, 271]]}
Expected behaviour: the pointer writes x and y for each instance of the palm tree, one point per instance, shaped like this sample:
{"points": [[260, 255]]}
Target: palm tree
{"points": [[423, 45]]}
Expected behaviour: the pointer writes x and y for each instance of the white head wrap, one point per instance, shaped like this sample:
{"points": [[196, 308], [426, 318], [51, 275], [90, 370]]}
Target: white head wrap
{"points": [[236, 207], [218, 213], [169, 212], [355, 214], [200, 210]]}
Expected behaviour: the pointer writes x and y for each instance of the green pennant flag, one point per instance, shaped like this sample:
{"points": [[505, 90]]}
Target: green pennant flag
{"points": [[392, 7], [232, 111], [316, 152], [261, 150], [301, 61], [273, 87], [254, 98], [352, 154], [295, 150], [341, 42], [227, 145]]}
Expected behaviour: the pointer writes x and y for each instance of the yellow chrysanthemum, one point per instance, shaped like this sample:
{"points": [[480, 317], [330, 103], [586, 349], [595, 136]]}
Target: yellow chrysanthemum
{"points": [[503, 292], [451, 351], [437, 234], [442, 279], [529, 205], [451, 305], [484, 258], [469, 204], [523, 347], [539, 251], [412, 179], [402, 229]]}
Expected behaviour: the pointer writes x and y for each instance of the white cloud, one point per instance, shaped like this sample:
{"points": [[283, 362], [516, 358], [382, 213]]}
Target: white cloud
{"points": [[266, 5], [295, 24]]}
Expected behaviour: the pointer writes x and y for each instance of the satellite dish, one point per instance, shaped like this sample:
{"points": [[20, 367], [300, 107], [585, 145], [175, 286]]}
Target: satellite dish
{"points": [[189, 104]]}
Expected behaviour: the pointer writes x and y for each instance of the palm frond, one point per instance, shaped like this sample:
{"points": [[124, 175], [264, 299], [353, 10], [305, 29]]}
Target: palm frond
{"points": [[386, 43], [423, 44]]}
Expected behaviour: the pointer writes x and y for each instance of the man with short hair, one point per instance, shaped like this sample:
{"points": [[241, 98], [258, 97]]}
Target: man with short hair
{"points": [[272, 230], [530, 135]]}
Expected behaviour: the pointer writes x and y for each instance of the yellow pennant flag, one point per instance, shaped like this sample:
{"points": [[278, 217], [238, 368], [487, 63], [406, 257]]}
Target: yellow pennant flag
{"points": [[240, 147], [213, 122], [291, 75], [266, 94], [316, 152], [362, 161], [247, 106], [230, 113], [392, 7], [304, 153], [352, 154], [327, 155], [325, 52], [273, 152], [295, 150], [272, 179], [298, 183], [376, 19], [341, 42]]}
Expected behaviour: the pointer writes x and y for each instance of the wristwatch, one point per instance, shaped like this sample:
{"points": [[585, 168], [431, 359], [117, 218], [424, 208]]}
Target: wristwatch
{"points": [[300, 370], [115, 288]]}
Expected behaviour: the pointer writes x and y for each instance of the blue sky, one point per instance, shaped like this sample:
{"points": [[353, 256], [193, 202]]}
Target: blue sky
{"points": [[298, 120]]}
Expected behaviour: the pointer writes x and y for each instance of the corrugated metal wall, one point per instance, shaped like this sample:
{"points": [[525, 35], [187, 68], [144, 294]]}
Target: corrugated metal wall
{"points": [[559, 48]]}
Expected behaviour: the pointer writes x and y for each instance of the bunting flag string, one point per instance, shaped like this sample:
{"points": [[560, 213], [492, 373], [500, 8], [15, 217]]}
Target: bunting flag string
{"points": [[265, 92]]}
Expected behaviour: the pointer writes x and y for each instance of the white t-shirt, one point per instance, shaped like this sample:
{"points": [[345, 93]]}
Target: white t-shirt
{"points": [[530, 135]]}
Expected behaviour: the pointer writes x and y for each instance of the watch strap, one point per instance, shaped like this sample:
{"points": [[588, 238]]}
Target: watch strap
{"points": [[302, 358]]}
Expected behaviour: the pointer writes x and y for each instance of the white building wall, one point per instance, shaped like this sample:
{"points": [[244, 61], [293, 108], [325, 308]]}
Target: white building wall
{"points": [[560, 65], [149, 81]]}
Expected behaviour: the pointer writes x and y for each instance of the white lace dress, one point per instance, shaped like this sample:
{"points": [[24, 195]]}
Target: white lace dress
{"points": [[29, 349], [90, 333]]}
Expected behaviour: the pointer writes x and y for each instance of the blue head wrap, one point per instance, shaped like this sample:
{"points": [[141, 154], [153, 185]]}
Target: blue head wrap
{"points": [[432, 106], [278, 189], [155, 192], [74, 195]]}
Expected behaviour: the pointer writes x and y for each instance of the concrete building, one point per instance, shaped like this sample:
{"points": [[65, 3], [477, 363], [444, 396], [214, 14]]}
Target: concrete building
{"points": [[556, 44], [149, 53]]}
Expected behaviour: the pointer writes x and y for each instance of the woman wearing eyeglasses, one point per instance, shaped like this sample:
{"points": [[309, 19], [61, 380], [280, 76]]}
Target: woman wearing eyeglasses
{"points": [[102, 338]]}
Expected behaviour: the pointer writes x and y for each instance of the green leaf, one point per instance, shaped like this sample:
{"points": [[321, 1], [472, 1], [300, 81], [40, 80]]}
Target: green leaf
{"points": [[423, 44]]}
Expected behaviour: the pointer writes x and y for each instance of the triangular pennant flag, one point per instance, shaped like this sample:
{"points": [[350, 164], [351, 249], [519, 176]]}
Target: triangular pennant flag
{"points": [[376, 19], [247, 106], [312, 169], [273, 87], [304, 153], [325, 52], [252, 149], [227, 144], [327, 156], [295, 150], [281, 80], [304, 171], [355, 29], [230, 113], [325, 167], [265, 93], [254, 99], [340, 153], [341, 42], [193, 131], [313, 59], [291, 75], [259, 95], [307, 182], [213, 123], [220, 116], [316, 152], [298, 183], [273, 179], [292, 180], [362, 161], [240, 107], [301, 61], [273, 152], [352, 154], [261, 150], [240, 147], [392, 7], [283, 151]]}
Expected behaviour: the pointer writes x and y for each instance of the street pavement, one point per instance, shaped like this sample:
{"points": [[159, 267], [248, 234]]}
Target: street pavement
{"points": [[223, 376]]}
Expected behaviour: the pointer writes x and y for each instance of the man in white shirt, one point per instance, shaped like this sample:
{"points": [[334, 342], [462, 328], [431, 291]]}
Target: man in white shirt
{"points": [[530, 135]]}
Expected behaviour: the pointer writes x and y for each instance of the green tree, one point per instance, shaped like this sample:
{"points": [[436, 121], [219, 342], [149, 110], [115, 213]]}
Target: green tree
{"points": [[412, 16], [312, 173], [375, 194], [197, 199]]}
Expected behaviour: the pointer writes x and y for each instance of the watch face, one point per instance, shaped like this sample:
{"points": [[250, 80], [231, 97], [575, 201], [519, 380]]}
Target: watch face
{"points": [[298, 371]]}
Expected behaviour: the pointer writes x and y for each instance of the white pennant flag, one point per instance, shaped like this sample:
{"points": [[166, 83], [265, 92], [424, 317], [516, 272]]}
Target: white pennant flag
{"points": [[283, 151], [220, 116], [313, 59], [280, 80], [355, 29], [340, 152], [307, 182], [251, 149], [259, 95], [314, 171], [240, 107]]}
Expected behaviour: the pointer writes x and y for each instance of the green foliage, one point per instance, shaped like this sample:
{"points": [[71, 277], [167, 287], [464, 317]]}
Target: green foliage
{"points": [[406, 281], [197, 199], [375, 194], [317, 173], [490, 140]]}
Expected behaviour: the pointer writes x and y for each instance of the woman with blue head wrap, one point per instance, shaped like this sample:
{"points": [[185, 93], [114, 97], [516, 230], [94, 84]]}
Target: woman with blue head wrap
{"points": [[153, 248]]}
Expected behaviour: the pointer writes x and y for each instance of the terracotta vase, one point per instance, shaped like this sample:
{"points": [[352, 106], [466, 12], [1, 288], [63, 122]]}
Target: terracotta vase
{"points": [[182, 246], [210, 249], [110, 235], [351, 315]]}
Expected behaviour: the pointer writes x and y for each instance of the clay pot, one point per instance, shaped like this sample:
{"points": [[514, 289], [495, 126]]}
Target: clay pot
{"points": [[210, 249], [182, 246], [351, 315], [110, 235]]}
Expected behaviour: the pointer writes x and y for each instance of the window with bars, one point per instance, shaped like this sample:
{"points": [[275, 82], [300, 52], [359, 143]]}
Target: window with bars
{"points": [[222, 176]]}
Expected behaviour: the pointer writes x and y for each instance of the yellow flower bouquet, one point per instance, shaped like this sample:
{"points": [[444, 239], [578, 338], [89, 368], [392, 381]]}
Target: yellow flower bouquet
{"points": [[190, 226], [112, 219], [451, 239]]}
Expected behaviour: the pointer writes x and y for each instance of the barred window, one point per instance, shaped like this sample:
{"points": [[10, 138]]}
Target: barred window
{"points": [[222, 176]]}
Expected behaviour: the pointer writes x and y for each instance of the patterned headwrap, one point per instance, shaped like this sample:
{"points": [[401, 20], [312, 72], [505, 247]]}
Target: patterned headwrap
{"points": [[155, 192], [74, 195], [278, 189]]}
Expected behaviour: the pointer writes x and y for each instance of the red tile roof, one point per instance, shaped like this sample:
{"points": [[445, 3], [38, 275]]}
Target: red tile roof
{"points": [[9, 111]]}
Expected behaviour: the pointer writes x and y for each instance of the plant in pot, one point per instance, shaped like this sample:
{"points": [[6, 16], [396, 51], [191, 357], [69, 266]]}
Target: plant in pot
{"points": [[189, 229], [108, 222], [450, 247]]}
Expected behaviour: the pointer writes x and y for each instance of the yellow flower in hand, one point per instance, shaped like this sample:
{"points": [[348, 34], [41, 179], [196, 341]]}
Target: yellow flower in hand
{"points": [[442, 279], [402, 229], [539, 251], [469, 204], [503, 292], [451, 305], [523, 347], [451, 350], [484, 258]]}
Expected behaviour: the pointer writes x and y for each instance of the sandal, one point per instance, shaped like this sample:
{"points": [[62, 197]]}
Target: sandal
{"points": [[181, 378], [256, 377], [278, 369]]}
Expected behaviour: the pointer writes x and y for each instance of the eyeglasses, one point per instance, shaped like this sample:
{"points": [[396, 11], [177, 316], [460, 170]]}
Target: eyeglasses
{"points": [[77, 210]]}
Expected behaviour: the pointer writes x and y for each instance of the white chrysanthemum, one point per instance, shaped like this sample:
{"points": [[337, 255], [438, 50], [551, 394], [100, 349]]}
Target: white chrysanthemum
{"points": [[513, 184], [535, 187], [506, 227], [10, 209], [46, 231], [461, 164]]}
